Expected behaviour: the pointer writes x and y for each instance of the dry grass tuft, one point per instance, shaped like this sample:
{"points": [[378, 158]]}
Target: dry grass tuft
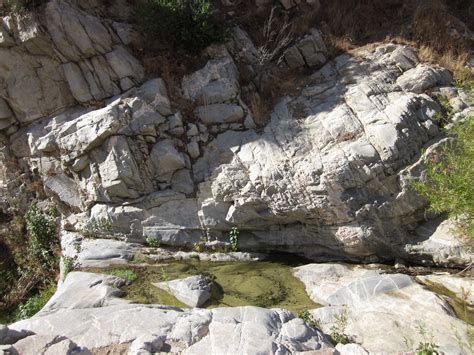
{"points": [[260, 110]]}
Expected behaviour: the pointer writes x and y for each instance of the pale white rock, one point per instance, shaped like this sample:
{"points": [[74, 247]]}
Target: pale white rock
{"points": [[104, 252], [85, 290], [384, 310], [43, 345], [460, 287], [216, 82], [193, 291], [422, 77], [236, 330], [351, 349], [439, 239]]}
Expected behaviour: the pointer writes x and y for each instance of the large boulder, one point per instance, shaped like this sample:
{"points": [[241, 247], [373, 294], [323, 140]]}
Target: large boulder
{"points": [[193, 291], [386, 313]]}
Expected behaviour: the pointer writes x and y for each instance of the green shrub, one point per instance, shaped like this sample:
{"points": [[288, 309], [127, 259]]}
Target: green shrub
{"points": [[309, 319], [69, 265], [153, 242], [43, 240], [126, 274], [450, 178], [234, 238], [427, 345], [96, 227], [34, 304], [188, 24], [338, 329]]}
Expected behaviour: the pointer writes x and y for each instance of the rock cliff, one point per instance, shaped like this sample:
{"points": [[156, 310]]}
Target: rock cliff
{"points": [[328, 175]]}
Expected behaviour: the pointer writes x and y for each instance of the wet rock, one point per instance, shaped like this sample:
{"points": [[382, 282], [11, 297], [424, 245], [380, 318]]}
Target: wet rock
{"points": [[458, 287], [193, 291]]}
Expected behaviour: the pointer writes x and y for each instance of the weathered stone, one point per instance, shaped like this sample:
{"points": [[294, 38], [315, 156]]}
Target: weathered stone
{"points": [[216, 82], [182, 182], [165, 159], [423, 77], [220, 113], [193, 150], [196, 331], [85, 290], [44, 345], [384, 310], [310, 50], [193, 291], [104, 252]]}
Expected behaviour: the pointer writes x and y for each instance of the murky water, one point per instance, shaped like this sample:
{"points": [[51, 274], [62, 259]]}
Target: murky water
{"points": [[264, 284]]}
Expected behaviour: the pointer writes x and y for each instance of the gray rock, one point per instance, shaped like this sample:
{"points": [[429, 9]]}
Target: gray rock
{"points": [[193, 150], [44, 345], [220, 113], [193, 291], [438, 238], [85, 290], [104, 252], [216, 82], [165, 158], [195, 331], [423, 77], [182, 182], [384, 310], [309, 50]]}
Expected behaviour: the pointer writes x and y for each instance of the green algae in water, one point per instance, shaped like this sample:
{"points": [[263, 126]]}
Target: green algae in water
{"points": [[262, 284]]}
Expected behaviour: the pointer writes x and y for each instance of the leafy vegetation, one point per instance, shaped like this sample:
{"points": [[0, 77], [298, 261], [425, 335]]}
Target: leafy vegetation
{"points": [[126, 274], [338, 329], [234, 238], [450, 177], [35, 303], [182, 23], [69, 264], [153, 242], [96, 227], [30, 253], [309, 319], [427, 345]]}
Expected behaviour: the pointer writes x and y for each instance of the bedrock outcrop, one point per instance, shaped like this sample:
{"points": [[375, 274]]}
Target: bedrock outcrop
{"points": [[385, 313], [100, 320], [328, 176]]}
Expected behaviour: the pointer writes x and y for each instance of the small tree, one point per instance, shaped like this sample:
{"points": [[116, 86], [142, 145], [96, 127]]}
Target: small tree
{"points": [[449, 183], [188, 24]]}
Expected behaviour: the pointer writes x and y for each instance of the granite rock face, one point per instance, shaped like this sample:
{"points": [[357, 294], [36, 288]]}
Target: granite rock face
{"points": [[329, 175], [61, 56], [384, 311], [240, 330]]}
